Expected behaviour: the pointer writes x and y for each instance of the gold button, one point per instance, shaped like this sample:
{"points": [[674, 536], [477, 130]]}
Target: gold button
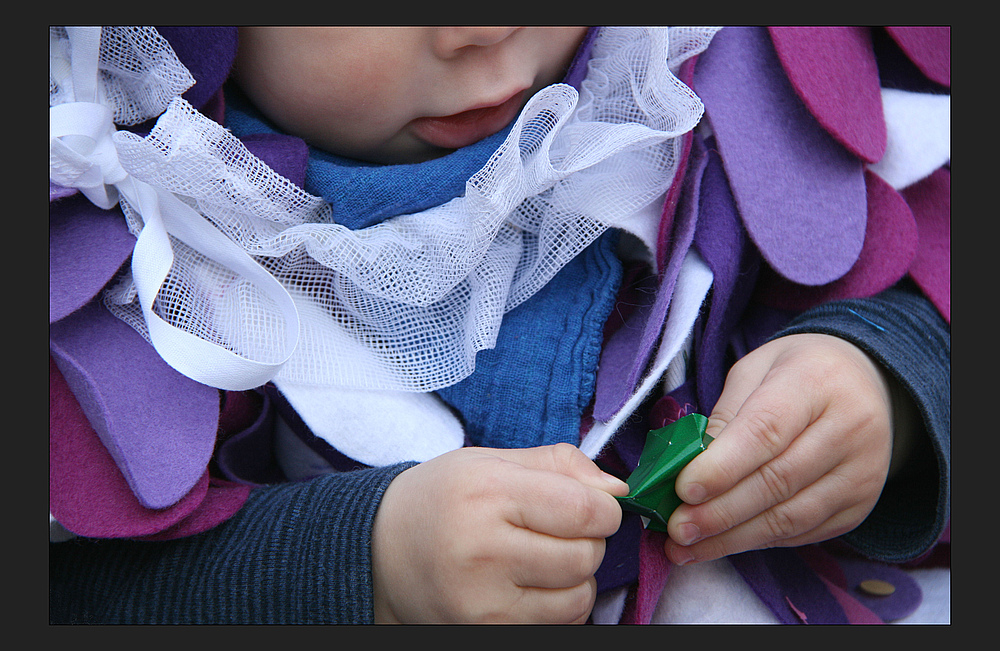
{"points": [[877, 587]]}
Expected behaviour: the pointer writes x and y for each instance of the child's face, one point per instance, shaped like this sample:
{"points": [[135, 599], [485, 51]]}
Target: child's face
{"points": [[398, 94]]}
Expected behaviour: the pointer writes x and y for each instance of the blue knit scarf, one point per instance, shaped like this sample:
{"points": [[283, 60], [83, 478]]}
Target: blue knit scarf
{"points": [[532, 388]]}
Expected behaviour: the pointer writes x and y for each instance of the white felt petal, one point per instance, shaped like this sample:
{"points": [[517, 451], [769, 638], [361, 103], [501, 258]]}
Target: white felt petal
{"points": [[377, 428], [919, 136], [712, 592], [609, 606], [693, 283]]}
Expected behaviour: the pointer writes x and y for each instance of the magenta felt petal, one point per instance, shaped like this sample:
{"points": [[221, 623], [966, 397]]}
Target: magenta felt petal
{"points": [[930, 201], [222, 500], [87, 493], [833, 71], [158, 425], [928, 47], [890, 247], [800, 193]]}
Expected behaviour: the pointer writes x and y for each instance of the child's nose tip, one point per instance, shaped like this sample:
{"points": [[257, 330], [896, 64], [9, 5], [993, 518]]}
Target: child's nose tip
{"points": [[450, 40]]}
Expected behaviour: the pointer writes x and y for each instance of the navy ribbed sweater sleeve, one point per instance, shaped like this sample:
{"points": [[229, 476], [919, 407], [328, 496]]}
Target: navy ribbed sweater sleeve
{"points": [[902, 331], [295, 553]]}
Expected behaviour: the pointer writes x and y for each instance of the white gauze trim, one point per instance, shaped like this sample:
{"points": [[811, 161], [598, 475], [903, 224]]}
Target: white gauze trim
{"points": [[406, 304], [83, 154]]}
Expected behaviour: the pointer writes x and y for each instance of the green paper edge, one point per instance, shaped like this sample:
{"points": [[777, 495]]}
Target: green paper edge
{"points": [[666, 452]]}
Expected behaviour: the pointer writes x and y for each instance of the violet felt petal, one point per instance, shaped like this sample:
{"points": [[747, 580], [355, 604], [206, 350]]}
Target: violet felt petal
{"points": [[158, 425], [87, 493], [57, 191], [928, 47], [800, 193], [87, 245], [890, 247], [627, 352], [723, 244], [833, 70], [930, 201]]}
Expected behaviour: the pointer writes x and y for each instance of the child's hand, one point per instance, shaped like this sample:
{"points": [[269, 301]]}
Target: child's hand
{"points": [[485, 535], [804, 435]]}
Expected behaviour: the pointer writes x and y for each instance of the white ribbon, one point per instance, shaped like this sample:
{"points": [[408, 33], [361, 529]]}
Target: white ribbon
{"points": [[82, 155]]}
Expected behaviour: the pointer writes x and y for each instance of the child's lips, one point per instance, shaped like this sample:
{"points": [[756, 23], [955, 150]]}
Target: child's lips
{"points": [[463, 129]]}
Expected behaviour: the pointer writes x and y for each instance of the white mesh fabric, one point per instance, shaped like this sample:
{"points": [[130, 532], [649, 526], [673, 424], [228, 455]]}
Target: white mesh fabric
{"points": [[139, 72], [407, 303]]}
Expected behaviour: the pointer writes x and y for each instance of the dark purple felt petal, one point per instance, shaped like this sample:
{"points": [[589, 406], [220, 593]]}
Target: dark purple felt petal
{"points": [[930, 201], [87, 245], [890, 247], [928, 47], [800, 193], [207, 52], [833, 71], [790, 588], [902, 602], [87, 493], [158, 425], [286, 155]]}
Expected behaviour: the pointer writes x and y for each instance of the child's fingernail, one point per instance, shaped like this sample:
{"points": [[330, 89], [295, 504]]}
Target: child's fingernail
{"points": [[680, 556], [696, 493], [616, 484], [687, 533]]}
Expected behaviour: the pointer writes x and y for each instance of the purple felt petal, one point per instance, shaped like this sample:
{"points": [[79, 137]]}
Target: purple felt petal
{"points": [[87, 245], [928, 47], [57, 191], [833, 70], [87, 493], [930, 201], [889, 250], [158, 425], [627, 352], [723, 244], [800, 193]]}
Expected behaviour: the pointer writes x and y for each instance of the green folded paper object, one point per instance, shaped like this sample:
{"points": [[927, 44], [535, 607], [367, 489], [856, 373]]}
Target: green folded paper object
{"points": [[666, 452]]}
